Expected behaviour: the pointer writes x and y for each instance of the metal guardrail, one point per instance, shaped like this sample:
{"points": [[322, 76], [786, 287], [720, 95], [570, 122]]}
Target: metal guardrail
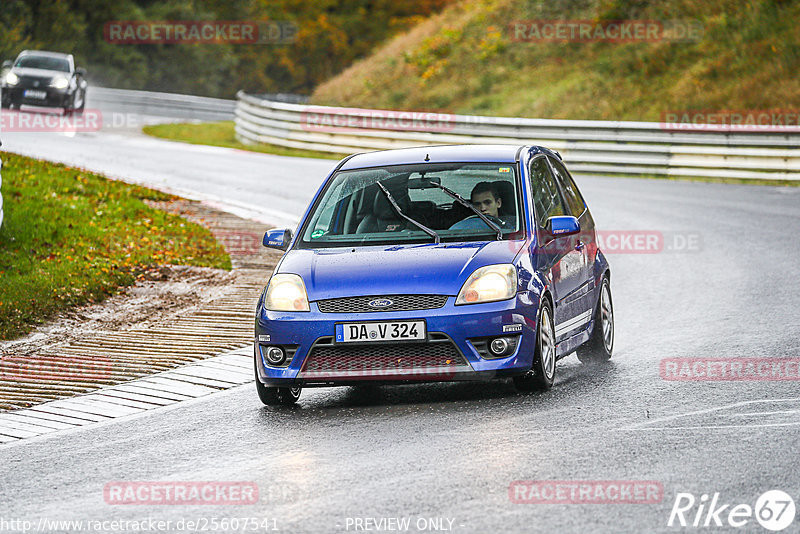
{"points": [[589, 147], [161, 104]]}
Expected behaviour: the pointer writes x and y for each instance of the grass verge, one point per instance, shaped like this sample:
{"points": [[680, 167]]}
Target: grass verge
{"points": [[71, 237], [223, 134], [471, 59]]}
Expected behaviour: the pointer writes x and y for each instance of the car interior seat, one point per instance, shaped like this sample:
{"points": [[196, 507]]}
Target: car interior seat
{"points": [[384, 218]]}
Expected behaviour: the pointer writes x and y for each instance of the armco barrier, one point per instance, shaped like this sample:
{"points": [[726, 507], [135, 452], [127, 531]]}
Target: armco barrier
{"points": [[589, 147], [161, 104]]}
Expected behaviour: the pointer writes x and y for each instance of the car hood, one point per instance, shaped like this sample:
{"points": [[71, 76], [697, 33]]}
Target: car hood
{"points": [[39, 73], [394, 269]]}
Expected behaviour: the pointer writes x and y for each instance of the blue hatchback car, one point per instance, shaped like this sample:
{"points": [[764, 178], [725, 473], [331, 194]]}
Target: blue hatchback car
{"points": [[466, 262]]}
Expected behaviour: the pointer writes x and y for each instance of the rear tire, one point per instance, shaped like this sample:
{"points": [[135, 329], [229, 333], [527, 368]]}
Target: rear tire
{"points": [[543, 372], [601, 345], [272, 396]]}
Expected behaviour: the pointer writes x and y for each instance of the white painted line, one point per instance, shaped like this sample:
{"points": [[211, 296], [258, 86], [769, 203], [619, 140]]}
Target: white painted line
{"points": [[16, 433], [89, 417], [749, 414], [128, 395], [716, 427], [30, 427], [652, 423], [150, 390], [213, 374], [200, 381], [173, 384], [26, 427], [122, 402], [50, 417], [231, 363], [92, 405], [35, 421]]}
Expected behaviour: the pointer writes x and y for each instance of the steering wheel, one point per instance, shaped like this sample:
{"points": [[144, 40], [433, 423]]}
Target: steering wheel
{"points": [[470, 222], [497, 220]]}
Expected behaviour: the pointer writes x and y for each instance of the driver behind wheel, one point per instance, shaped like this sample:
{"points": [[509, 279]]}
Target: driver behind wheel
{"points": [[486, 198]]}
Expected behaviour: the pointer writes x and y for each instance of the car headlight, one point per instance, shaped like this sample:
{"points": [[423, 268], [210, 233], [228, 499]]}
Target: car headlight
{"points": [[12, 79], [59, 82], [489, 284], [286, 292]]}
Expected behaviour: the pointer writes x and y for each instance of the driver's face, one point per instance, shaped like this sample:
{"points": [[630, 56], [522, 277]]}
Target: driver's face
{"points": [[486, 203]]}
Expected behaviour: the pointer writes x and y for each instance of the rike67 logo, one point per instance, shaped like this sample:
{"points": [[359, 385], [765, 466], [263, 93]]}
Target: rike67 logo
{"points": [[774, 511]]}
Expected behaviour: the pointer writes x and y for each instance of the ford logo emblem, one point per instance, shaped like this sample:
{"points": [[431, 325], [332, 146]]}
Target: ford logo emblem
{"points": [[380, 303]]}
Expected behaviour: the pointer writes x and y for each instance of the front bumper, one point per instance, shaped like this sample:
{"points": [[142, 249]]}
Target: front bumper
{"points": [[450, 352], [57, 98]]}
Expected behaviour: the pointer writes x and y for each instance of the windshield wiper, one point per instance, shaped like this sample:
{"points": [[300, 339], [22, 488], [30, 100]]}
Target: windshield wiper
{"points": [[418, 224], [464, 202]]}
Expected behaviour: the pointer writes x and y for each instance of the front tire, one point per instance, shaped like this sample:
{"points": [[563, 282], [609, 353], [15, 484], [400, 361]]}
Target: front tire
{"points": [[601, 345], [79, 109], [272, 396], [543, 372]]}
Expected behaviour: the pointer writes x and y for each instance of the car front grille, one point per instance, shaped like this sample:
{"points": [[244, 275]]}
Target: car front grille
{"points": [[399, 303], [34, 81], [435, 359]]}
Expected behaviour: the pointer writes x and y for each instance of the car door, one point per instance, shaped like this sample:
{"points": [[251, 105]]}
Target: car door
{"points": [[556, 256], [583, 244]]}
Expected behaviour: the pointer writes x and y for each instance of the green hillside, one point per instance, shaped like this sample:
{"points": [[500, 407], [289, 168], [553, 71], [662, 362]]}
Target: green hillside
{"points": [[466, 60]]}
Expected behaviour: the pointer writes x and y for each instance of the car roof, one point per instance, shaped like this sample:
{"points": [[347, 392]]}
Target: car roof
{"points": [[44, 53], [439, 154]]}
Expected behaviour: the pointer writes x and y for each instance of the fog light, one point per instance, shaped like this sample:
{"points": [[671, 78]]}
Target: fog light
{"points": [[275, 355], [498, 346]]}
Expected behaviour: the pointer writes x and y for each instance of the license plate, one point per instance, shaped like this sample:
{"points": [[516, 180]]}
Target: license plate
{"points": [[383, 331], [32, 93]]}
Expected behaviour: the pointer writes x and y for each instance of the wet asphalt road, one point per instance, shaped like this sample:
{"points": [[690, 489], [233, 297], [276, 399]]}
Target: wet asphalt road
{"points": [[448, 452]]}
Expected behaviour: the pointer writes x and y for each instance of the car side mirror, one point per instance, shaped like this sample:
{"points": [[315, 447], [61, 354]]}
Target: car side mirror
{"points": [[80, 71], [562, 225], [278, 239], [7, 64]]}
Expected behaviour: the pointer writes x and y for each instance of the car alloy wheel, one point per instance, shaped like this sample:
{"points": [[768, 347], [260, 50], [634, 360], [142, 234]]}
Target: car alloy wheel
{"points": [[601, 345], [543, 372]]}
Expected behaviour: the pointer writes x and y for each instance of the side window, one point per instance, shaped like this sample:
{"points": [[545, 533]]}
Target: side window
{"points": [[573, 197], [546, 198]]}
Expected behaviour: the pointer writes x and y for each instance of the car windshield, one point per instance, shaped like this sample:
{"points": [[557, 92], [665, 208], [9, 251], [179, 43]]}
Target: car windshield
{"points": [[355, 208], [43, 62]]}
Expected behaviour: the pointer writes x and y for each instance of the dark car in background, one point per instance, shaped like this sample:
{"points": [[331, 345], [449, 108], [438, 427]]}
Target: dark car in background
{"points": [[47, 79]]}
